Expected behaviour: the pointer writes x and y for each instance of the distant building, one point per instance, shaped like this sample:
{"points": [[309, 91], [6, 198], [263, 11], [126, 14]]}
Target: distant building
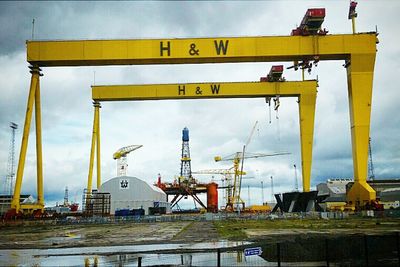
{"points": [[5, 202], [333, 191], [333, 187], [132, 193]]}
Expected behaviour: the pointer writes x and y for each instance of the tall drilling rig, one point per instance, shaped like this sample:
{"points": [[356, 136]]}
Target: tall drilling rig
{"points": [[187, 185], [186, 169], [9, 181]]}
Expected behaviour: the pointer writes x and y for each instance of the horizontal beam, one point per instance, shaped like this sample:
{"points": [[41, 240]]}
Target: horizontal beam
{"points": [[201, 90], [198, 50]]}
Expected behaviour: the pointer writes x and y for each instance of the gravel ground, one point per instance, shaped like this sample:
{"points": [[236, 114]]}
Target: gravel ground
{"points": [[89, 235]]}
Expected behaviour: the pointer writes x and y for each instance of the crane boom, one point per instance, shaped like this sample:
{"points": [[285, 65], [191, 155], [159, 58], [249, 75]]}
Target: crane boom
{"points": [[120, 156], [234, 196], [251, 134], [215, 171], [123, 151], [248, 155]]}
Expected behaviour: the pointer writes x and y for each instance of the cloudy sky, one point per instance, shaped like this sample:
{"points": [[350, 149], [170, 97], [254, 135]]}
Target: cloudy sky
{"points": [[217, 127]]}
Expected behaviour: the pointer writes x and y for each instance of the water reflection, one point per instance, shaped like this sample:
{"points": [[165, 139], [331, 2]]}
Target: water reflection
{"points": [[123, 255], [88, 261]]}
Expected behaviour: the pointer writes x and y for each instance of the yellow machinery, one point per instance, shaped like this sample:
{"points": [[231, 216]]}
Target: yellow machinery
{"points": [[358, 50], [305, 91], [95, 146], [259, 208], [227, 181], [235, 201], [120, 156]]}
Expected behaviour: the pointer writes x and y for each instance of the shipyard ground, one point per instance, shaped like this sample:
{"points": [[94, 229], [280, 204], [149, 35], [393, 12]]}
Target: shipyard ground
{"points": [[129, 233]]}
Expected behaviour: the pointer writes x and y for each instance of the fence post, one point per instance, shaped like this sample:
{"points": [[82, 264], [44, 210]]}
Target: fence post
{"points": [[278, 253], [366, 250], [398, 246], [327, 252], [219, 257], [139, 262]]}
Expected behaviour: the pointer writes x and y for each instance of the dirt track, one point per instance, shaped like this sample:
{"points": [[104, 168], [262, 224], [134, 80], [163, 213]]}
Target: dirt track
{"points": [[130, 233], [89, 235]]}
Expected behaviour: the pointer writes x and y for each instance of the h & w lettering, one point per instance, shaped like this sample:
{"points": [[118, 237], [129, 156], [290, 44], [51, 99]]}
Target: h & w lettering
{"points": [[221, 46]]}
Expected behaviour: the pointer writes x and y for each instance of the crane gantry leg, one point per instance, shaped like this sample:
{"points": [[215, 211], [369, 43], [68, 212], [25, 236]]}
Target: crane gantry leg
{"points": [[97, 109], [39, 165], [360, 71], [33, 99], [95, 146], [306, 116]]}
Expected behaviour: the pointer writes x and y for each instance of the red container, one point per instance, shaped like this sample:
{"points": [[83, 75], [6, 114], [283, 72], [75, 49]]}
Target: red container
{"points": [[212, 197], [316, 12]]}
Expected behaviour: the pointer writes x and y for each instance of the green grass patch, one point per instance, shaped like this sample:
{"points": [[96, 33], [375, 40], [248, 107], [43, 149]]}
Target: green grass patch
{"points": [[235, 229], [185, 228], [230, 231]]}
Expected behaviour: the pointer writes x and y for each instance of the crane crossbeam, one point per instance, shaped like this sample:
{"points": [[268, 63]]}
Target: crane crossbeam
{"points": [[202, 90], [198, 50]]}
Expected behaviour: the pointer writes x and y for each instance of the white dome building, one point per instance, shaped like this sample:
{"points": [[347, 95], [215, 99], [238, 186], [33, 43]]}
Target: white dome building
{"points": [[132, 193]]}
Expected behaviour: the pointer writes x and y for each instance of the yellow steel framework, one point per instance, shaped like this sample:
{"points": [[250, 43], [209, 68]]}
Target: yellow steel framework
{"points": [[306, 92], [33, 99], [358, 51], [95, 146]]}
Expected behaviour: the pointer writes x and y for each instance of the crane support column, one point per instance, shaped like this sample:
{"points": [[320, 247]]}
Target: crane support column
{"points": [[34, 96], [39, 165], [360, 71], [97, 109], [306, 115], [95, 142]]}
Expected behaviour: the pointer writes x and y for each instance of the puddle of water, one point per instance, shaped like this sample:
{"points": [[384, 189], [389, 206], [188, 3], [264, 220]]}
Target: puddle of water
{"points": [[152, 255], [111, 255]]}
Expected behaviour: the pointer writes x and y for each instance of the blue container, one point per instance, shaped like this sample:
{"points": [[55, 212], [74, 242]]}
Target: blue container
{"points": [[122, 212], [185, 134], [137, 212]]}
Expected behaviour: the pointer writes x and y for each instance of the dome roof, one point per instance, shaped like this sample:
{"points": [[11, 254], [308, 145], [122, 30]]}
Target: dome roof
{"points": [[132, 188]]}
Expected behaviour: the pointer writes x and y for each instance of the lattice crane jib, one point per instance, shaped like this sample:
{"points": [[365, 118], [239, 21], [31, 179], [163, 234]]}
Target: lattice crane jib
{"points": [[121, 156], [235, 199]]}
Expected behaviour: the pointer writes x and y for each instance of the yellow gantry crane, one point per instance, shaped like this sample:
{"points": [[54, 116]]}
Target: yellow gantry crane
{"points": [[304, 91], [357, 50], [121, 156]]}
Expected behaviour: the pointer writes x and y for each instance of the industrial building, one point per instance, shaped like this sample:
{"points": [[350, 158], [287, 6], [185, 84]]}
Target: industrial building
{"points": [[132, 193], [5, 202], [333, 192]]}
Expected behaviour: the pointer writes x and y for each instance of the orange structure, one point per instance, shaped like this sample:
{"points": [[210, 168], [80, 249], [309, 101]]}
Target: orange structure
{"points": [[212, 197]]}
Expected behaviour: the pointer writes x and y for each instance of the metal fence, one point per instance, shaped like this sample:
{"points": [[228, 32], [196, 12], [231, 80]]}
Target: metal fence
{"points": [[345, 250], [203, 217]]}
